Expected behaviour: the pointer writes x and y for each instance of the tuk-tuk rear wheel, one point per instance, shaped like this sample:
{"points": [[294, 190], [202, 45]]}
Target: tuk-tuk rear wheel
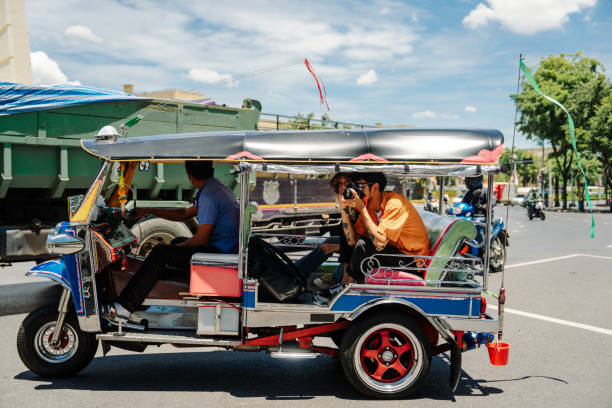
{"points": [[386, 355], [74, 352]]}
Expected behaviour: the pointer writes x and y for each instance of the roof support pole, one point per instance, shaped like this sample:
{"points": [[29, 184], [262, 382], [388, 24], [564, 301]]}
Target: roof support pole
{"points": [[242, 234], [7, 169], [62, 177], [490, 179], [442, 179]]}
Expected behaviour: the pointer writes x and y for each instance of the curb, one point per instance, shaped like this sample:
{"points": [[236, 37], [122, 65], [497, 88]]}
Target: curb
{"points": [[26, 297]]}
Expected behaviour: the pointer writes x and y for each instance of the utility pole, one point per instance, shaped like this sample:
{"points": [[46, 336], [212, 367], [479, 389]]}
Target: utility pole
{"points": [[550, 189], [541, 181]]}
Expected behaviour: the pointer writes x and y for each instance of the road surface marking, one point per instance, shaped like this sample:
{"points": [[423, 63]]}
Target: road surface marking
{"points": [[597, 256], [558, 258], [555, 320], [609, 246], [541, 261]]}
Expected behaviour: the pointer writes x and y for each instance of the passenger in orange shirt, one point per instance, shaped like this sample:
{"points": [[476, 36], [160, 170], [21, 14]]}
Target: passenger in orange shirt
{"points": [[388, 224]]}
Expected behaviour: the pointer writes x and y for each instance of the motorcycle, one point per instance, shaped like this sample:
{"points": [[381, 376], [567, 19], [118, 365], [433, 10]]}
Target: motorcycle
{"points": [[431, 204], [499, 236], [536, 209]]}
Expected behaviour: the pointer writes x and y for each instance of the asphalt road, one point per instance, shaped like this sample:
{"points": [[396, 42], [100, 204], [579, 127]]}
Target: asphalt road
{"points": [[558, 324]]}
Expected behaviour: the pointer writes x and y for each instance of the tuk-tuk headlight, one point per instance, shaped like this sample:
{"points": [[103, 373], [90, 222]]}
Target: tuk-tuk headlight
{"points": [[64, 244]]}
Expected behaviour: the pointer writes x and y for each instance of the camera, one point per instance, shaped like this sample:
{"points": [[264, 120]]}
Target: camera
{"points": [[347, 194]]}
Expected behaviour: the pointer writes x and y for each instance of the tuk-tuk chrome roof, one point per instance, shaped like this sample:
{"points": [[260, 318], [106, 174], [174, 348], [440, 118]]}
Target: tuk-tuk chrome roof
{"points": [[381, 145]]}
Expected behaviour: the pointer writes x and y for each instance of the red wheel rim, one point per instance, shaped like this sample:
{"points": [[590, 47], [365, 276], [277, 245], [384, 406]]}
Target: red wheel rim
{"points": [[387, 355], [63, 340]]}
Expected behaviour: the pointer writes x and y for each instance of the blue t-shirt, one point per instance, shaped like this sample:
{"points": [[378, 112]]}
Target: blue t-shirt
{"points": [[218, 206]]}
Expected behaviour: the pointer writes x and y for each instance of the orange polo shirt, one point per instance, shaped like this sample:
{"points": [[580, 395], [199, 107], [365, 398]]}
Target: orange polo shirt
{"points": [[400, 222]]}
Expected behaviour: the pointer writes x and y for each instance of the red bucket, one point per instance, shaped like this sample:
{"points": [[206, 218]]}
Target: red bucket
{"points": [[498, 353]]}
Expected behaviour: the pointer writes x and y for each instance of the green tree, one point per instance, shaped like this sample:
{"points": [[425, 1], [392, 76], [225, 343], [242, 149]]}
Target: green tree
{"points": [[527, 172], [600, 139], [302, 121], [578, 83]]}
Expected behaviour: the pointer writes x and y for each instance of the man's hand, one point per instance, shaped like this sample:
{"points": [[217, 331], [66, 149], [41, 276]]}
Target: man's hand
{"points": [[354, 202], [380, 241]]}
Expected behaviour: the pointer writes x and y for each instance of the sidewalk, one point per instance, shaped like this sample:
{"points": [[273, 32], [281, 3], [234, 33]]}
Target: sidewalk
{"points": [[22, 294]]}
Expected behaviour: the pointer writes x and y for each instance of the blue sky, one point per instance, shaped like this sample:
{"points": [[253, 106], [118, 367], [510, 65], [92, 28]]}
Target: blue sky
{"points": [[424, 63]]}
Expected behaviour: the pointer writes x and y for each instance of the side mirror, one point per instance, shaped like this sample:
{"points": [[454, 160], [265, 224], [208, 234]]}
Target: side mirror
{"points": [[64, 244]]}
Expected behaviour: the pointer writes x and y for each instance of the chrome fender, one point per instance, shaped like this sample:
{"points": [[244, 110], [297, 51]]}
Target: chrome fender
{"points": [[58, 270], [54, 269]]}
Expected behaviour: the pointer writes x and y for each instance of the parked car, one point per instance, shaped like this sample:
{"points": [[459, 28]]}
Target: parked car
{"points": [[518, 199]]}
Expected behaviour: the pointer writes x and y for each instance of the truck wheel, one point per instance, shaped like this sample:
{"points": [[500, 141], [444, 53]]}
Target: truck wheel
{"points": [[386, 355], [75, 351], [155, 231]]}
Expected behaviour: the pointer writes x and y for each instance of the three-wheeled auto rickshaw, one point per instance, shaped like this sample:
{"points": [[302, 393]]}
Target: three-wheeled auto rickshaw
{"points": [[387, 327]]}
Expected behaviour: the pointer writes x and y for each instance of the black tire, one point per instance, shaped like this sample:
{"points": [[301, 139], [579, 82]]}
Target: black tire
{"points": [[77, 348], [336, 337], [155, 231], [406, 348], [542, 215], [498, 255]]}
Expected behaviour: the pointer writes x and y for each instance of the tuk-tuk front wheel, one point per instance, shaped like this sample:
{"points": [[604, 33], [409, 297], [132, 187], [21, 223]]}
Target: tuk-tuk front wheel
{"points": [[386, 356], [74, 351]]}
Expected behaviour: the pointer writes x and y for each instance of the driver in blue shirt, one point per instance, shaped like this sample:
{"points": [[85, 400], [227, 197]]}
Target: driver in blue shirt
{"points": [[218, 215]]}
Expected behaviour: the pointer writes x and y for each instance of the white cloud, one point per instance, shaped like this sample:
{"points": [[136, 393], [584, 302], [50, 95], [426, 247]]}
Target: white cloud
{"points": [[433, 115], [367, 78], [82, 32], [425, 114], [45, 71], [385, 11], [470, 108], [211, 77], [526, 16]]}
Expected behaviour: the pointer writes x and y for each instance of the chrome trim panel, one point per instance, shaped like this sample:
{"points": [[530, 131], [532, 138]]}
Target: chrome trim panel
{"points": [[164, 338], [273, 318], [169, 317], [90, 322], [478, 325], [172, 302]]}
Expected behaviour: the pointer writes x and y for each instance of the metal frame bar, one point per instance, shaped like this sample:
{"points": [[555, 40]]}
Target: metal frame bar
{"points": [[442, 179], [295, 334], [244, 198], [490, 180]]}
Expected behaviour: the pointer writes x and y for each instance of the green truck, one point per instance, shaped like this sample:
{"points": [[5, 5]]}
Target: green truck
{"points": [[42, 163]]}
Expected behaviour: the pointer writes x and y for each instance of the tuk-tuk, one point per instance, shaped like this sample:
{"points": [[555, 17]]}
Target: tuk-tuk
{"points": [[386, 328]]}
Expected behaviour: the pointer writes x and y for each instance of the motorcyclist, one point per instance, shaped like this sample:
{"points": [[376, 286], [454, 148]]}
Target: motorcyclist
{"points": [[532, 198], [476, 196]]}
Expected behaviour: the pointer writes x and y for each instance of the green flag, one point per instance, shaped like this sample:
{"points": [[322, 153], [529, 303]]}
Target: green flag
{"points": [[570, 123]]}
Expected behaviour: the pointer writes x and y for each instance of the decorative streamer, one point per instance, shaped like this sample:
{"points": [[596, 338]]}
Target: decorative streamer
{"points": [[322, 93], [570, 122]]}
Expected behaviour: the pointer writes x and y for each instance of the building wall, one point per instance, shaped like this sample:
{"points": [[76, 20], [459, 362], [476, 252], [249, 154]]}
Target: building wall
{"points": [[14, 43]]}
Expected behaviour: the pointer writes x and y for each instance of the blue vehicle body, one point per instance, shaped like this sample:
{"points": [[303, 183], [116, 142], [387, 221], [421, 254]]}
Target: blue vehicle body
{"points": [[65, 271], [466, 211]]}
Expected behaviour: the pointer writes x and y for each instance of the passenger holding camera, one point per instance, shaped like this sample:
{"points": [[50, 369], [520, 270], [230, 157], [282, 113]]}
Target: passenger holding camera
{"points": [[388, 223]]}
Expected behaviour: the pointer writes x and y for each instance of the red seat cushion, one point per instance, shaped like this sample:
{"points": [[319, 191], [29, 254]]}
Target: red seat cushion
{"points": [[393, 277]]}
